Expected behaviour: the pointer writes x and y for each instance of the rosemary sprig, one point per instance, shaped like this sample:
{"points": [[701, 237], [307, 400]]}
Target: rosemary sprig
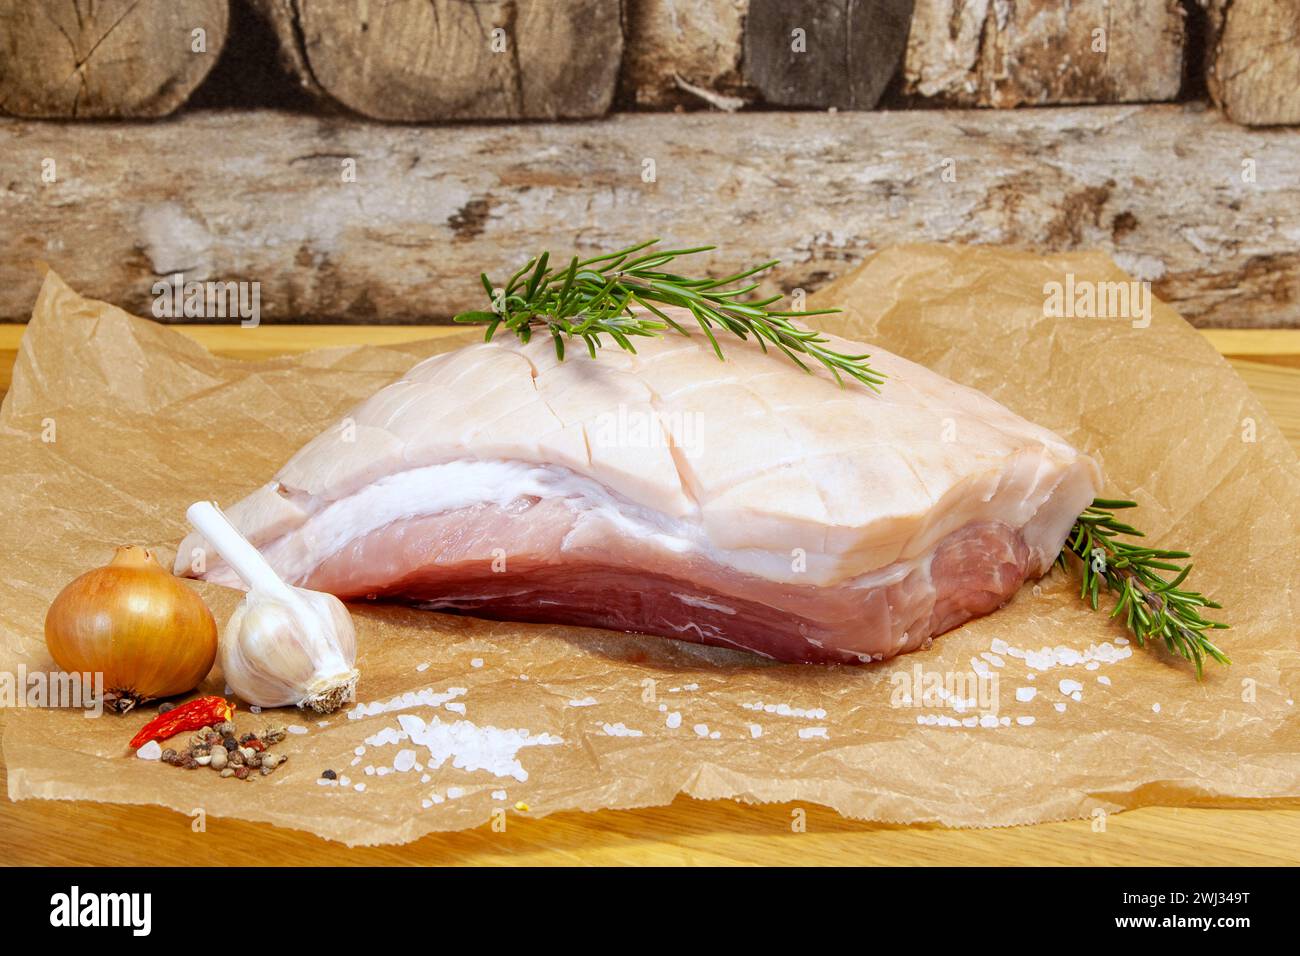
{"points": [[598, 296], [1153, 607]]}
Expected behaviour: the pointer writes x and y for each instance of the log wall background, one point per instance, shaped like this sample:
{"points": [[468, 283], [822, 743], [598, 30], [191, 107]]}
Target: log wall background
{"points": [[815, 131]]}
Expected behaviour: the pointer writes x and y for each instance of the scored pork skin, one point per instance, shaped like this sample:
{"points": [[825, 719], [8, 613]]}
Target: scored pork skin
{"points": [[742, 503]]}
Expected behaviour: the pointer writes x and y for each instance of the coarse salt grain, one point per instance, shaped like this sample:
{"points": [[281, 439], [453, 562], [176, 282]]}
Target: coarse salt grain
{"points": [[296, 729], [1025, 694], [755, 731], [805, 733], [421, 668], [1024, 721], [785, 710], [455, 707], [467, 745], [1155, 708], [498, 794], [404, 760], [423, 698], [150, 751], [1070, 688], [702, 730], [674, 720], [619, 730], [584, 702], [359, 788], [455, 793]]}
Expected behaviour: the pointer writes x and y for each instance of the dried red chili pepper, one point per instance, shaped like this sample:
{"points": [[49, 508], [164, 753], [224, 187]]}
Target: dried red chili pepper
{"points": [[200, 712]]}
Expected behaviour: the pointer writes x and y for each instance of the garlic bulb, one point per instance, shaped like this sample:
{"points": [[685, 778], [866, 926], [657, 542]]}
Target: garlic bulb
{"points": [[283, 645]]}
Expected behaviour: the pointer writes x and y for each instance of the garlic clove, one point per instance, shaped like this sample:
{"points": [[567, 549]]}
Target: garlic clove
{"points": [[283, 645]]}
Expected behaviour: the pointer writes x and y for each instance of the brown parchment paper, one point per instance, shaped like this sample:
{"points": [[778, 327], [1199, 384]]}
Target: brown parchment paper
{"points": [[145, 421]]}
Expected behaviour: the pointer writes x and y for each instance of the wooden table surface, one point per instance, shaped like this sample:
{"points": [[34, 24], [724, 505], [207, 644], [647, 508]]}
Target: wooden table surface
{"points": [[688, 831]]}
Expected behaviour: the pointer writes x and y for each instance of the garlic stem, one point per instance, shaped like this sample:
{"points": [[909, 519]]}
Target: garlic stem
{"points": [[253, 569]]}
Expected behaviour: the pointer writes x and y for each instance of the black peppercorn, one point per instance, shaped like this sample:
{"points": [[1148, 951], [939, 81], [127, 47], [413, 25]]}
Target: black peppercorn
{"points": [[330, 775]]}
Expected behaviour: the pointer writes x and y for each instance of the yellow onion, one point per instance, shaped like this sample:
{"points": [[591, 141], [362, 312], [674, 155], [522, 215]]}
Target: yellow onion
{"points": [[145, 631]]}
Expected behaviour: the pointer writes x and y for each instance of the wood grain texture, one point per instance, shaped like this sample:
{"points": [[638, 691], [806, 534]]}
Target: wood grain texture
{"points": [[1253, 59], [262, 197], [113, 58], [825, 53], [689, 832], [1037, 52], [419, 60], [698, 41]]}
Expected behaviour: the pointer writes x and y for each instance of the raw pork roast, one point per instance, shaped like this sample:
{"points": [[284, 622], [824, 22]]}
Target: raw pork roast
{"points": [[742, 503]]}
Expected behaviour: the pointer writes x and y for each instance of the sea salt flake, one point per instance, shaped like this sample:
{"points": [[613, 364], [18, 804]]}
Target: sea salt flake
{"points": [[407, 701], [619, 730], [150, 751], [467, 745], [404, 761]]}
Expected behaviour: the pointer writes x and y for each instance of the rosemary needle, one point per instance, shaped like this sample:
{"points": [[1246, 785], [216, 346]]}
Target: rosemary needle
{"points": [[1154, 607], [619, 294]]}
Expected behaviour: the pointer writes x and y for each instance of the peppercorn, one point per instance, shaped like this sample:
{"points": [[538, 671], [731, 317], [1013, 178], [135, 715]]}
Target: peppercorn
{"points": [[230, 743], [236, 758], [225, 729], [219, 759], [166, 706], [272, 735], [253, 761], [330, 775], [168, 755], [241, 773]]}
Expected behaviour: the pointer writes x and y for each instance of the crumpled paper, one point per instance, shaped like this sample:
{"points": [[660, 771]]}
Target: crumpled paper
{"points": [[115, 424]]}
